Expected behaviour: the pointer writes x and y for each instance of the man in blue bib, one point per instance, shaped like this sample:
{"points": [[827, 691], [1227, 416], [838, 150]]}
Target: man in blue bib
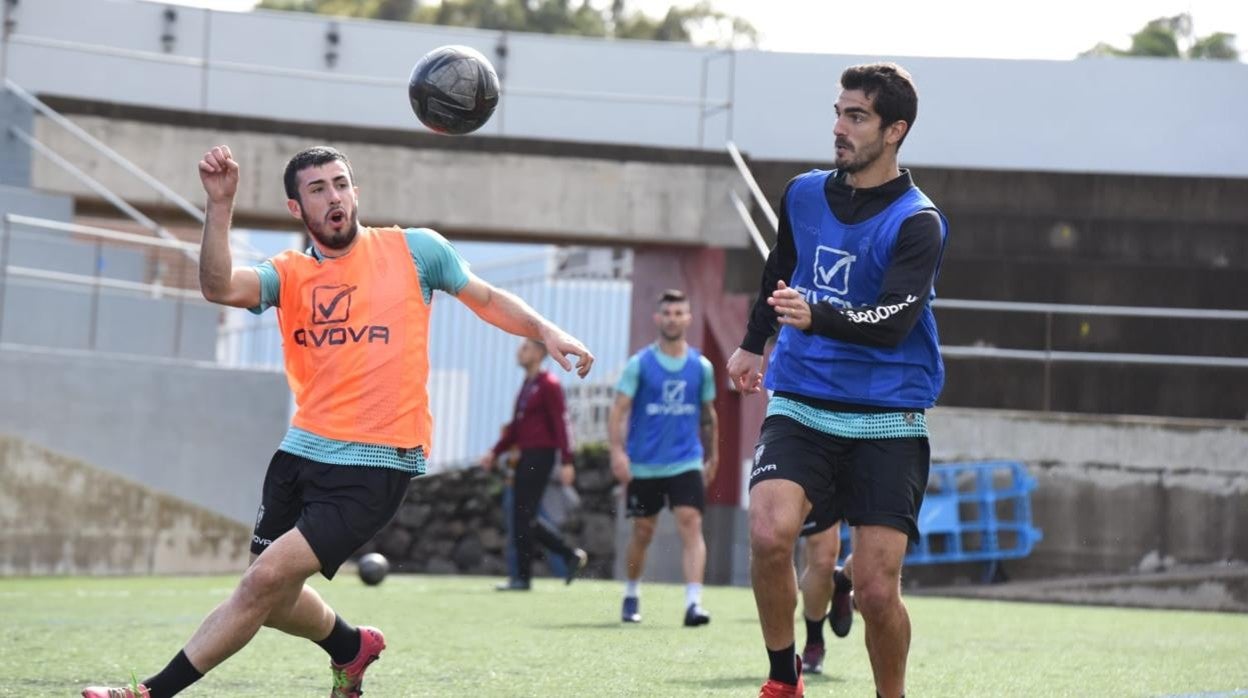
{"points": [[856, 363], [664, 448]]}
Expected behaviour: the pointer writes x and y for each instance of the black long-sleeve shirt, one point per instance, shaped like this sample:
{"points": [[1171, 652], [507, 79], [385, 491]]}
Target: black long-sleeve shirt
{"points": [[907, 281]]}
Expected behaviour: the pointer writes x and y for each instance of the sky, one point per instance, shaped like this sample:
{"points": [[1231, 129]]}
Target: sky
{"points": [[1022, 29]]}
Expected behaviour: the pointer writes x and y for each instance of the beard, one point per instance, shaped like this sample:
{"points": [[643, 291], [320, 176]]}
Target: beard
{"points": [[331, 239], [672, 335], [859, 159]]}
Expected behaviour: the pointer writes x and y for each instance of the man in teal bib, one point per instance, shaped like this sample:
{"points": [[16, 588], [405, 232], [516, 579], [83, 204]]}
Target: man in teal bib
{"points": [[664, 448]]}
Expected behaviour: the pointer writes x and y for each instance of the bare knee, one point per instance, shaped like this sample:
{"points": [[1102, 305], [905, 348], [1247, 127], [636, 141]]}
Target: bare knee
{"points": [[821, 559], [877, 595], [689, 522], [771, 540], [643, 531], [262, 585]]}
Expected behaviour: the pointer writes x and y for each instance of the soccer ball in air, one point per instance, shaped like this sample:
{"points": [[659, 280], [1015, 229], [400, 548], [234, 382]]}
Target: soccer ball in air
{"points": [[453, 90], [373, 568]]}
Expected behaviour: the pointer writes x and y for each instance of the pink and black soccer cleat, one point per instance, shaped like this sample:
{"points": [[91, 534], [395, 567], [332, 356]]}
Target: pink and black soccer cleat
{"points": [[136, 690], [349, 677], [841, 617]]}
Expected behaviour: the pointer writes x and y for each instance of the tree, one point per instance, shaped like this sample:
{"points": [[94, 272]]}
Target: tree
{"points": [[1218, 46], [1172, 37], [699, 22]]}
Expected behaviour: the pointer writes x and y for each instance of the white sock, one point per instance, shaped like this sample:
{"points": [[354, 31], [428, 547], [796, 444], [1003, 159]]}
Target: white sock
{"points": [[693, 594], [632, 588]]}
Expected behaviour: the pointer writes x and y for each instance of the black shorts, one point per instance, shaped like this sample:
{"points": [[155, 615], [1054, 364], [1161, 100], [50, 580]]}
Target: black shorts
{"points": [[871, 482], [818, 521], [337, 508], [647, 495]]}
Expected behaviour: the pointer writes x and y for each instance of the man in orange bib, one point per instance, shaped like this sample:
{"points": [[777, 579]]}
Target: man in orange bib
{"points": [[353, 310]]}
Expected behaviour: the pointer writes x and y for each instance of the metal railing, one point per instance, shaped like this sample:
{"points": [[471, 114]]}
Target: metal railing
{"points": [[1048, 355], [97, 282], [180, 290], [116, 158]]}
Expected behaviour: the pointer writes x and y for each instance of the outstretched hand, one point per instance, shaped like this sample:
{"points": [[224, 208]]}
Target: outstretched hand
{"points": [[218, 171], [560, 345], [745, 369], [791, 308]]}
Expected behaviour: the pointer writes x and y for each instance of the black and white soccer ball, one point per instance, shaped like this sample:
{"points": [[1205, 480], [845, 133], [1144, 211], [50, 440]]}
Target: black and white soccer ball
{"points": [[373, 568], [453, 90]]}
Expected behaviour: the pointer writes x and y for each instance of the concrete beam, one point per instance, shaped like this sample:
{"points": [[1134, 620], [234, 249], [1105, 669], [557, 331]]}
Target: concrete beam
{"points": [[492, 194]]}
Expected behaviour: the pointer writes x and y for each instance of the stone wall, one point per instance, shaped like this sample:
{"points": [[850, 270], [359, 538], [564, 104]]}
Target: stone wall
{"points": [[452, 522]]}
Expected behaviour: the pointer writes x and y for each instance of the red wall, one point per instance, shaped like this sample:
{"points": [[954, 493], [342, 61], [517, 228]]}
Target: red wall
{"points": [[718, 325]]}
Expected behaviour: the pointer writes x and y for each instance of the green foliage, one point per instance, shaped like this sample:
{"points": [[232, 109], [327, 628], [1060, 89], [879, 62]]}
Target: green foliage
{"points": [[1218, 46], [1166, 37], [700, 21], [567, 641], [372, 9]]}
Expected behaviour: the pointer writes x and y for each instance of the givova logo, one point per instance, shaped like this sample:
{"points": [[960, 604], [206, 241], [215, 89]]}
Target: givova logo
{"points": [[331, 305], [832, 269], [673, 404]]}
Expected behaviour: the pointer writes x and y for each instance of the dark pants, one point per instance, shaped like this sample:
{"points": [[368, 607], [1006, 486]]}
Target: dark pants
{"points": [[532, 474]]}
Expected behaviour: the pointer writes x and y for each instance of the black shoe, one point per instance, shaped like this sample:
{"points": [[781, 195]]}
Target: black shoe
{"points": [[630, 612], [513, 585], [841, 617], [695, 615], [576, 563]]}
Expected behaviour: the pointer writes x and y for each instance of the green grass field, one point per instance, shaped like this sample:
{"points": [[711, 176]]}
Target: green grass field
{"points": [[453, 636]]}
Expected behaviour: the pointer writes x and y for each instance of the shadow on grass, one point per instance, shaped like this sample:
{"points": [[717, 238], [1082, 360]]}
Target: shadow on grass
{"points": [[603, 625], [751, 682]]}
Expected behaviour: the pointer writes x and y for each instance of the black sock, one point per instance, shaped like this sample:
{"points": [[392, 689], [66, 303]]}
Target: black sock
{"points": [[814, 631], [842, 581], [783, 665], [343, 642], [177, 675]]}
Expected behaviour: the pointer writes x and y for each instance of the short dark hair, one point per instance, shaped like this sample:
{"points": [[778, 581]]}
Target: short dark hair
{"points": [[673, 295], [890, 89], [311, 157]]}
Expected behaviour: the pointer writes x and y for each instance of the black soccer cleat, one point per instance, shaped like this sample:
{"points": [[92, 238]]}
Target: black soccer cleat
{"points": [[695, 615]]}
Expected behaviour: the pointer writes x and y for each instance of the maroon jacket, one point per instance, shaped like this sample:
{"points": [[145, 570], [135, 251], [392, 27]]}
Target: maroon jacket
{"points": [[540, 419]]}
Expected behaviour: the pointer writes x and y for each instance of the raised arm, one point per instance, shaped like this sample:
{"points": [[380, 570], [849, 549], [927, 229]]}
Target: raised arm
{"points": [[219, 280], [509, 313]]}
